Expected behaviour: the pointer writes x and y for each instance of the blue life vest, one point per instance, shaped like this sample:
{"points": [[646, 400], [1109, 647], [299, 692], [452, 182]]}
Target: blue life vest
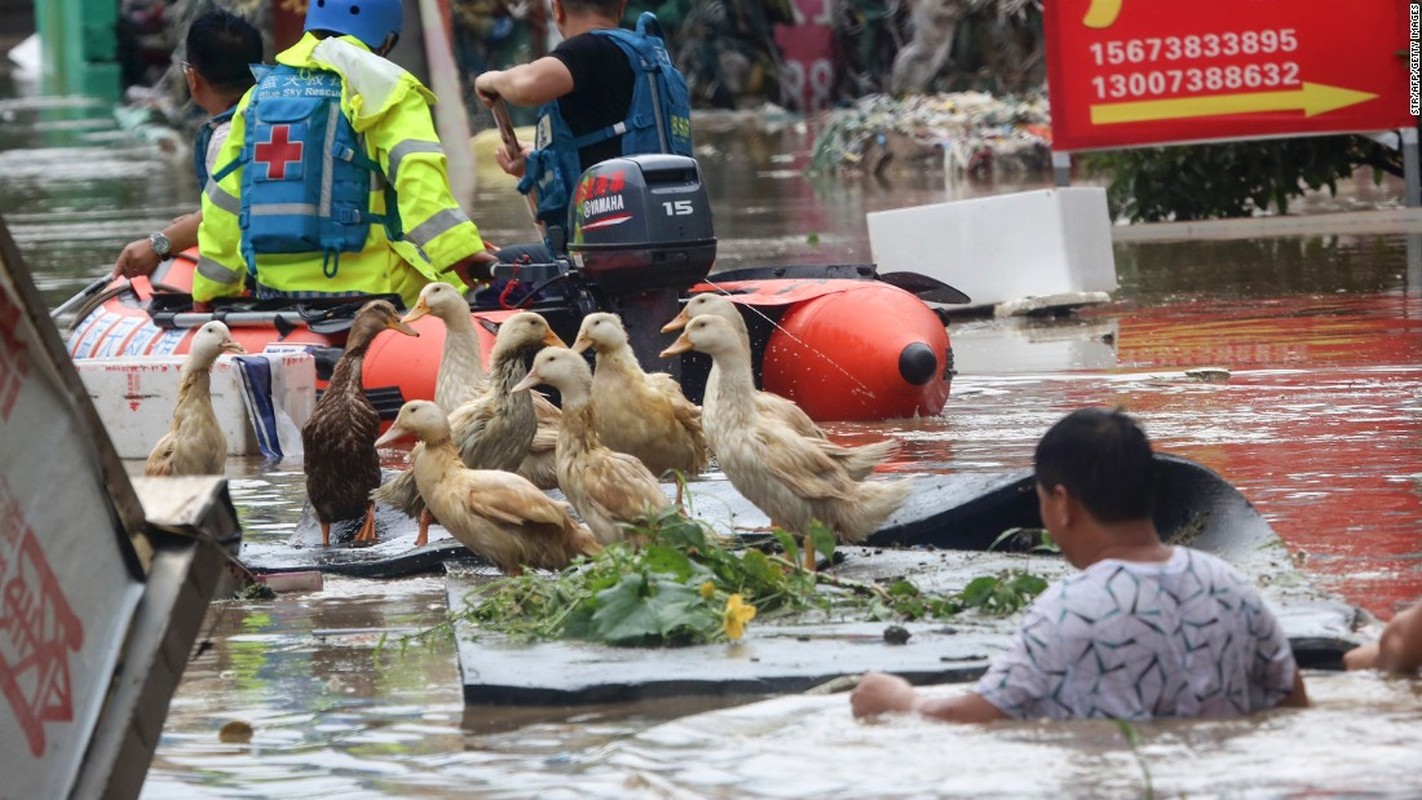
{"points": [[658, 121], [306, 180], [204, 140]]}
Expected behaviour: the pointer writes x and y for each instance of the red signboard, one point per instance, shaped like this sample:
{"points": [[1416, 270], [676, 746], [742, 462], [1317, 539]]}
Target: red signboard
{"points": [[1132, 72], [38, 629], [807, 52]]}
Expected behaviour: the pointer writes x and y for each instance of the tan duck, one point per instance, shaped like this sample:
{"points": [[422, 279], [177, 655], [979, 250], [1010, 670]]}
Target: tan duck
{"points": [[496, 428], [641, 414], [858, 462], [194, 444], [342, 467], [785, 474], [497, 514], [540, 465], [461, 377], [609, 489]]}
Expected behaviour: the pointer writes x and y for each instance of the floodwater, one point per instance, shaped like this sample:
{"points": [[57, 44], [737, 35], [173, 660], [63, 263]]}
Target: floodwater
{"points": [[1314, 410]]}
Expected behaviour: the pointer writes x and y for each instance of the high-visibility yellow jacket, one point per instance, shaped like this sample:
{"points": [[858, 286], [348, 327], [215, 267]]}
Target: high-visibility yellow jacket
{"points": [[389, 108]]}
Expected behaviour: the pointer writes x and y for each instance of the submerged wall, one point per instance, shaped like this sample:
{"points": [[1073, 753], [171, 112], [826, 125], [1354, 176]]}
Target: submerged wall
{"points": [[79, 46]]}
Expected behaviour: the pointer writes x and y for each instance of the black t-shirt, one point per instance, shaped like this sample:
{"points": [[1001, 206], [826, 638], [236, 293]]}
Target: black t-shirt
{"points": [[602, 91]]}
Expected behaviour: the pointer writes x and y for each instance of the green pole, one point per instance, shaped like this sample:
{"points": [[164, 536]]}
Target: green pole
{"points": [[80, 46]]}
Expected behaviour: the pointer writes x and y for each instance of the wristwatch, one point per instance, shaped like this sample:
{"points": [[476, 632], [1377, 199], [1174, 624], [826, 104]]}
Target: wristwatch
{"points": [[160, 243]]}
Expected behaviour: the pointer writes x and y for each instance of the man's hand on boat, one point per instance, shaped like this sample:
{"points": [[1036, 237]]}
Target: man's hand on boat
{"points": [[142, 256], [476, 269], [136, 258]]}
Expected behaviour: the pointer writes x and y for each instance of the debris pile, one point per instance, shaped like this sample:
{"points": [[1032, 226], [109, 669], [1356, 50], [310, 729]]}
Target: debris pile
{"points": [[968, 132]]}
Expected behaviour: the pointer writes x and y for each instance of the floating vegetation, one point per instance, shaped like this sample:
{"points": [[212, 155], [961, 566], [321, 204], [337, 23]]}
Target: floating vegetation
{"points": [[686, 586], [969, 132]]}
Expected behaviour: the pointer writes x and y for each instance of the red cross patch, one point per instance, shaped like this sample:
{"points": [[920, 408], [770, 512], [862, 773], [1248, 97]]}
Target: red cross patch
{"points": [[280, 154]]}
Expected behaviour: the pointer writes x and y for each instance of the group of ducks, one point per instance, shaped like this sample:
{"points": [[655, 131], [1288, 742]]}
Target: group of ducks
{"points": [[488, 445]]}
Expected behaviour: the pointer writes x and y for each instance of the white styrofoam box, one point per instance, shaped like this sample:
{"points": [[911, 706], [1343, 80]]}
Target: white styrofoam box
{"points": [[135, 397], [1004, 247]]}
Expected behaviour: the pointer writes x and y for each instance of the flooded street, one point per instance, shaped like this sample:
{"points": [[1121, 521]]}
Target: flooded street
{"points": [[1313, 410]]}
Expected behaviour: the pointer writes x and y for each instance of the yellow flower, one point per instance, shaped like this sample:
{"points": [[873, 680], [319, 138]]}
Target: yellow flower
{"points": [[707, 589], [735, 617]]}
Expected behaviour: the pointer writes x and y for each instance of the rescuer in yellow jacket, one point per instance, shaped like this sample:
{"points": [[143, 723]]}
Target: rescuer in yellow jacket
{"points": [[332, 181]]}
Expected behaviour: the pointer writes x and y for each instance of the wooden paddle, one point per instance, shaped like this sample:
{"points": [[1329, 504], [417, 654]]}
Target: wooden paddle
{"points": [[515, 150]]}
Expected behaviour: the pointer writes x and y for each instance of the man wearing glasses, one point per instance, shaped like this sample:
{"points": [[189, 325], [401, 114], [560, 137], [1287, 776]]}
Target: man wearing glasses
{"points": [[221, 49]]}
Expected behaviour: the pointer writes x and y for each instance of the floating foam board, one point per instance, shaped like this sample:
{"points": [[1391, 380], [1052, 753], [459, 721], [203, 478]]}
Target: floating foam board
{"points": [[135, 398], [1005, 247], [1195, 507], [1022, 345]]}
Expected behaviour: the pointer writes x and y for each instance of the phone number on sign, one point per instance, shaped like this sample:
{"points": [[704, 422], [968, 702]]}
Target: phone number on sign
{"points": [[1210, 45], [1174, 81]]}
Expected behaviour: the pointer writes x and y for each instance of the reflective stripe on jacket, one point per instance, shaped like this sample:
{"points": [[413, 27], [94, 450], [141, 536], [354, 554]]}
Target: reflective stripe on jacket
{"points": [[389, 109]]}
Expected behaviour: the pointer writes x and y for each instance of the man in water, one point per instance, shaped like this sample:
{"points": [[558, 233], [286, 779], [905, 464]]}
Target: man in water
{"points": [[333, 182], [220, 50], [1144, 630]]}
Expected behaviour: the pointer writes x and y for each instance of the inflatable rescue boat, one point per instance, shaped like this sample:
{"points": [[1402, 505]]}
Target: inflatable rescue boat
{"points": [[837, 339]]}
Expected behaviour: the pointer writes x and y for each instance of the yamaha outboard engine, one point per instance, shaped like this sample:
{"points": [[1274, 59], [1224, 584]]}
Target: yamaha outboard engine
{"points": [[641, 235]]}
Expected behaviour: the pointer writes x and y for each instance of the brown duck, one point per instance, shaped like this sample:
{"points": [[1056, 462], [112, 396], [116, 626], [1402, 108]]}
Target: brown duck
{"points": [[341, 464]]}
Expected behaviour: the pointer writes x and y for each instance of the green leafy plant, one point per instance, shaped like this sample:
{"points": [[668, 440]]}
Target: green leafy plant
{"points": [[1232, 179], [685, 585], [1133, 740], [677, 589], [1033, 540]]}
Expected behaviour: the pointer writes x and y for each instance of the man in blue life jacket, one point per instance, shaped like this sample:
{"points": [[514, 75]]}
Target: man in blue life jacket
{"points": [[333, 181], [219, 51], [604, 92]]}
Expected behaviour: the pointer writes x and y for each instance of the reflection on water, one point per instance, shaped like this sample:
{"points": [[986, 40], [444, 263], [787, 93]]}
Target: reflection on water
{"points": [[809, 747], [1318, 421], [1277, 267]]}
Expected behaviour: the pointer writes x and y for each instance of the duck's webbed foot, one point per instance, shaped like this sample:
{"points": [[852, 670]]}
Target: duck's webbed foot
{"points": [[366, 534]]}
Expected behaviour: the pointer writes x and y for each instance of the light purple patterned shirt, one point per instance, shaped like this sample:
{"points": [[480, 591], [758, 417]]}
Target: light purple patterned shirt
{"points": [[1187, 637]]}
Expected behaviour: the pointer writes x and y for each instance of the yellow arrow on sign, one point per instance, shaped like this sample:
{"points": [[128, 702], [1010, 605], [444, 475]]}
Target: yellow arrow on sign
{"points": [[1311, 98]]}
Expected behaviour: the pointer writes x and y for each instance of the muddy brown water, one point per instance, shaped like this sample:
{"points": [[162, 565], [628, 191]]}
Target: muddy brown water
{"points": [[1314, 412]]}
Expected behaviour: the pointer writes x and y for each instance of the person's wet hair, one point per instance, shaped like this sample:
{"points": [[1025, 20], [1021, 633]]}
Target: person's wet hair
{"points": [[1103, 459], [221, 46]]}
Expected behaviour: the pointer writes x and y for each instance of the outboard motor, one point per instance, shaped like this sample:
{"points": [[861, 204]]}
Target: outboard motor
{"points": [[641, 235]]}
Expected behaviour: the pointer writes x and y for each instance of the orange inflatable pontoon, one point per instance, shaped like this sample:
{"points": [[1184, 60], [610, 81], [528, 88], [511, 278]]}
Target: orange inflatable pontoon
{"points": [[843, 348]]}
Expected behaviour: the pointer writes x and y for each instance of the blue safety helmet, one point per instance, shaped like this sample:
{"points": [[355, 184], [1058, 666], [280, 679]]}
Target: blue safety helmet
{"points": [[370, 21]]}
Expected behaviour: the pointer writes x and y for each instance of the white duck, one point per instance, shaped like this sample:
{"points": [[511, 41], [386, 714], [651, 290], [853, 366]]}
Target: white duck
{"points": [[496, 514], [194, 444], [641, 414], [858, 462], [461, 365], [493, 430], [609, 489], [785, 474]]}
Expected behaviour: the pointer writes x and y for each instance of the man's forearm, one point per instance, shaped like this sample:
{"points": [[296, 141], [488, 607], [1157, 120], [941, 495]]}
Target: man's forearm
{"points": [[183, 232], [970, 707]]}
